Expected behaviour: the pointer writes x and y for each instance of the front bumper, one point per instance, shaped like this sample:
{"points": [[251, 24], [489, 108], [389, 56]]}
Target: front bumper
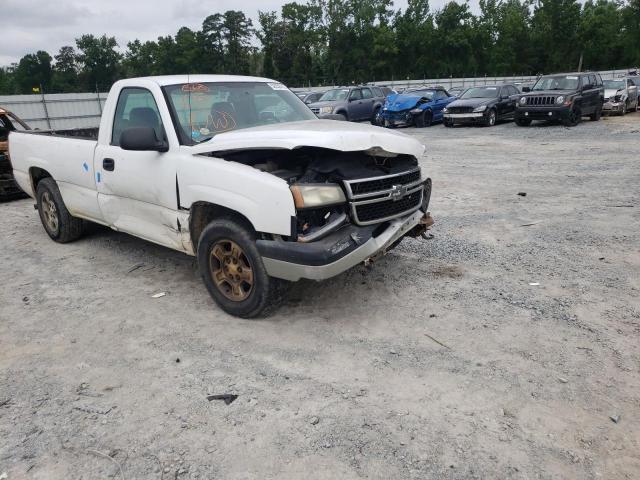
{"points": [[474, 117], [398, 119], [336, 253], [543, 113], [613, 107]]}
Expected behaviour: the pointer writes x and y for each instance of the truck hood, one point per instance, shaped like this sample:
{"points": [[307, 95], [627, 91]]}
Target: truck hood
{"points": [[330, 134]]}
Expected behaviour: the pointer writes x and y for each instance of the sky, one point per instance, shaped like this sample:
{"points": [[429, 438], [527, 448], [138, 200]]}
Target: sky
{"points": [[32, 25]]}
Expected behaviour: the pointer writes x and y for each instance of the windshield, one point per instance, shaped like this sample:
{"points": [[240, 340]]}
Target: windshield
{"points": [[614, 84], [335, 95], [481, 92], [206, 109], [559, 82], [420, 93]]}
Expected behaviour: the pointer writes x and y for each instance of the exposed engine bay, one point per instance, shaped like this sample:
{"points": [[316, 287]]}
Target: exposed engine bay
{"points": [[377, 186]]}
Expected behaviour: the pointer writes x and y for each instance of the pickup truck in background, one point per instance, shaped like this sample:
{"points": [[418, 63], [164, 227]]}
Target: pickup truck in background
{"points": [[236, 171]]}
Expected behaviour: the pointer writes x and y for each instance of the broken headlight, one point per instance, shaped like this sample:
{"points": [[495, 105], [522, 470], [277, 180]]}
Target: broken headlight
{"points": [[317, 195]]}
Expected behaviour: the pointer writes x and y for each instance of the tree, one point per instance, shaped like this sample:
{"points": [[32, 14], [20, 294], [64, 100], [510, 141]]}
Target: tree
{"points": [[33, 70], [599, 34], [236, 34], [65, 71], [99, 62], [555, 35]]}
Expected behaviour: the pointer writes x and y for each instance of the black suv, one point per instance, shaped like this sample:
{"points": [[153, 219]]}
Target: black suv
{"points": [[565, 96]]}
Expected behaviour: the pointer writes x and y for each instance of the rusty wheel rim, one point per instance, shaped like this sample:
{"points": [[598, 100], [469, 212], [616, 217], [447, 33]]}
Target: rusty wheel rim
{"points": [[50, 212], [231, 270]]}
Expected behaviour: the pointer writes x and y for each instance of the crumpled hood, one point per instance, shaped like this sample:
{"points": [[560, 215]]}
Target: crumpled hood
{"points": [[397, 103], [471, 102], [610, 92], [330, 134]]}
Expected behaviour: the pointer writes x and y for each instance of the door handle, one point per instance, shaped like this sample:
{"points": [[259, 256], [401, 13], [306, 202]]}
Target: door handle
{"points": [[108, 164]]}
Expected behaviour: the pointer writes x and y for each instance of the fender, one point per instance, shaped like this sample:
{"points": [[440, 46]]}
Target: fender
{"points": [[264, 199]]}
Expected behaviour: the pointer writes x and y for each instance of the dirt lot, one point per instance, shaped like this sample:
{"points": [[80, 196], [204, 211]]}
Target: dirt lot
{"points": [[505, 347]]}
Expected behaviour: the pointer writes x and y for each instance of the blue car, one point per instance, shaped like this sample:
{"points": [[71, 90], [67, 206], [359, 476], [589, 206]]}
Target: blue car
{"points": [[419, 106]]}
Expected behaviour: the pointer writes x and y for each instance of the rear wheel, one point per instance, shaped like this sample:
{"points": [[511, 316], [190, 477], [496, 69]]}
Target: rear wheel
{"points": [[425, 119], [233, 271], [59, 224], [523, 122]]}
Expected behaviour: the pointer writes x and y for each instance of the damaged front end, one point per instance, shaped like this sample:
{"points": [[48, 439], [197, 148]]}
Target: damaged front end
{"points": [[350, 206]]}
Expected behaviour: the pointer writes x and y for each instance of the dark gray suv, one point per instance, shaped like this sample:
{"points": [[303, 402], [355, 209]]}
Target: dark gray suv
{"points": [[352, 103]]}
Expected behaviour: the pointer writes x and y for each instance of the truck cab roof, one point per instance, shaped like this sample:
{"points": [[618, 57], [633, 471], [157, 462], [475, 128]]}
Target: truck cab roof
{"points": [[164, 80]]}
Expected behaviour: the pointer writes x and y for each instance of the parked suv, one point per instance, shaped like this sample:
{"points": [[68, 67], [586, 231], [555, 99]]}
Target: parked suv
{"points": [[620, 96], [566, 97], [352, 103]]}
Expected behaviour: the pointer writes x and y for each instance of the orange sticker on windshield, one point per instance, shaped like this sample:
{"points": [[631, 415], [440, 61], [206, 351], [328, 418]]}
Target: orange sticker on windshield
{"points": [[195, 87]]}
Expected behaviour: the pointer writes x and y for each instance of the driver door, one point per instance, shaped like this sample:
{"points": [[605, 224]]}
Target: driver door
{"points": [[357, 109], [137, 189]]}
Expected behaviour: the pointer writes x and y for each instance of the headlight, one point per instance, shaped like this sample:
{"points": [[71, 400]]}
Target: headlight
{"points": [[560, 99], [445, 110], [328, 109], [481, 108], [317, 195], [523, 100]]}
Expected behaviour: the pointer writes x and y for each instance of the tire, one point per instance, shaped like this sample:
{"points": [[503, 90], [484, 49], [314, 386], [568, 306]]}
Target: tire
{"points": [[376, 119], [595, 116], [447, 123], [343, 115], [491, 118], [59, 224], [425, 119], [523, 122], [575, 116], [624, 109], [237, 282]]}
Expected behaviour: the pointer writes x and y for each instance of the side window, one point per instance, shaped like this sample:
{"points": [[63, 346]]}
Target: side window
{"points": [[356, 94], [513, 90], [440, 95], [366, 93], [629, 82], [136, 108], [378, 92]]}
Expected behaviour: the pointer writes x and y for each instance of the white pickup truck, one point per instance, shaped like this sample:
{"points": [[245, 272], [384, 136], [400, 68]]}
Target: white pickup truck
{"points": [[236, 171]]}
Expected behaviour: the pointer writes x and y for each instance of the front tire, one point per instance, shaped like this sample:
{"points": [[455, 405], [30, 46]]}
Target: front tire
{"points": [[595, 116], [448, 123], [377, 119], [490, 119], [523, 122], [624, 109], [59, 224], [233, 271], [574, 118], [424, 120]]}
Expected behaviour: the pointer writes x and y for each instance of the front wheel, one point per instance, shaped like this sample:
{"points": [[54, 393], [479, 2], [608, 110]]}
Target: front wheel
{"points": [[233, 271], [574, 117], [523, 122], [490, 119], [377, 119], [624, 109], [59, 224], [424, 120], [448, 123], [595, 116]]}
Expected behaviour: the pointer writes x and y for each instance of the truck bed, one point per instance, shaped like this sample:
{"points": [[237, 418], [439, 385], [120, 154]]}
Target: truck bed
{"points": [[78, 133]]}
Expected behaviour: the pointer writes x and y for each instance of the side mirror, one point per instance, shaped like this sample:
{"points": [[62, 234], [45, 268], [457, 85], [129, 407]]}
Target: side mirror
{"points": [[526, 89], [142, 139]]}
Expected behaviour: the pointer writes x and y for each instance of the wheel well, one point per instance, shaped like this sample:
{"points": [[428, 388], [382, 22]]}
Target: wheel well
{"points": [[202, 213], [37, 174]]}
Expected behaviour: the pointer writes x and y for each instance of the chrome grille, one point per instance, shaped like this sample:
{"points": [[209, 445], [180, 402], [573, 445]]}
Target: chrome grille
{"points": [[541, 100], [378, 199], [315, 110], [460, 109]]}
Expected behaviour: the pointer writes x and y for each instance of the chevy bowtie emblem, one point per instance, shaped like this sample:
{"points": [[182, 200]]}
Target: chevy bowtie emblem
{"points": [[398, 192]]}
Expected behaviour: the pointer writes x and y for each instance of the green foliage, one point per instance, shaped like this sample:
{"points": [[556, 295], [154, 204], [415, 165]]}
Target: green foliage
{"points": [[350, 41]]}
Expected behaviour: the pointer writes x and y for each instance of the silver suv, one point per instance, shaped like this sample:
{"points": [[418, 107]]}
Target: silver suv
{"points": [[620, 95], [351, 103]]}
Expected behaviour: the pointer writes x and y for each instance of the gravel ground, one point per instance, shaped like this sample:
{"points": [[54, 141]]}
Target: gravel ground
{"points": [[506, 347]]}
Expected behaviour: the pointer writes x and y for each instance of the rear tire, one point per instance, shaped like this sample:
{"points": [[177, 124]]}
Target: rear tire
{"points": [[59, 224], [233, 271]]}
